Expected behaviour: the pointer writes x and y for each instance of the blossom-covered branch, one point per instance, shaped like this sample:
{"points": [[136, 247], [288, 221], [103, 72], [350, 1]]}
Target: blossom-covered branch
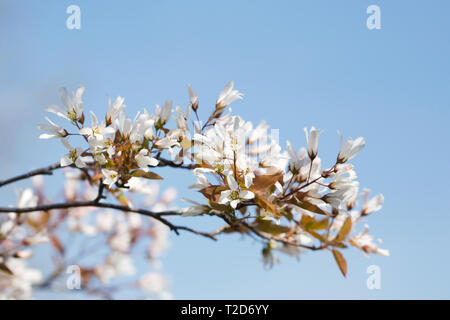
{"points": [[287, 199]]}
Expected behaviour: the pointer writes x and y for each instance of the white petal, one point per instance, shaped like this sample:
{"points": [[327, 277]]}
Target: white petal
{"points": [[234, 203], [66, 161], [56, 110], [232, 183], [246, 194]]}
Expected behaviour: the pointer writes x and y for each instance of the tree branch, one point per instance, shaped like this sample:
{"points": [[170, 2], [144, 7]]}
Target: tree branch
{"points": [[42, 171], [49, 170], [94, 203]]}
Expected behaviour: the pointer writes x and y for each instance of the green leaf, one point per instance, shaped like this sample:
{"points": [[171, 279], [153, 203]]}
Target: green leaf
{"points": [[146, 174], [340, 260]]}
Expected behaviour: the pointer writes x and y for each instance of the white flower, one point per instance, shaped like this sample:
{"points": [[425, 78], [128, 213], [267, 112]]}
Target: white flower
{"points": [[105, 221], [54, 130], [364, 241], [153, 283], [27, 199], [342, 182], [169, 141], [342, 195], [117, 264], [142, 186], [350, 149], [275, 158], [297, 159], [109, 177], [194, 210], [144, 160], [313, 141], [73, 157], [227, 96], [73, 104], [202, 181], [114, 109], [372, 205], [98, 131], [123, 125], [260, 132], [193, 98], [180, 119], [164, 112], [20, 284], [234, 196], [247, 167]]}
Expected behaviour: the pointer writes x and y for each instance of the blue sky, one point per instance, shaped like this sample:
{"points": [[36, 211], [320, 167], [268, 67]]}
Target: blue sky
{"points": [[299, 63]]}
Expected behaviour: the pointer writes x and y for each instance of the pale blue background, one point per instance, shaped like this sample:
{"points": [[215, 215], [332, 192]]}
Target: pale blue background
{"points": [[299, 63]]}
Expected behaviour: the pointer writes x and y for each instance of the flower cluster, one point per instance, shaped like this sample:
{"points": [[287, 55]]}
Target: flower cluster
{"points": [[297, 201]]}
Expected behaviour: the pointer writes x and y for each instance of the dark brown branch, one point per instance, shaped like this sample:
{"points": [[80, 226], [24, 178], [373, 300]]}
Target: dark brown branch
{"points": [[168, 163], [264, 235], [77, 204], [267, 236], [49, 171], [100, 195], [42, 171]]}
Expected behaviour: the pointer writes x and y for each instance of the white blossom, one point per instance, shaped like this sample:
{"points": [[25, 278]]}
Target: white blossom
{"points": [[54, 130], [163, 114], [371, 205], [114, 109], [234, 196], [365, 242], [73, 157], [193, 98], [350, 149], [227, 96], [73, 105], [98, 130], [144, 160], [109, 177], [312, 139]]}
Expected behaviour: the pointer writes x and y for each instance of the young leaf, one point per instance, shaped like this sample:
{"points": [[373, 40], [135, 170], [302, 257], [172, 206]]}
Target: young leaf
{"points": [[318, 224], [148, 175], [310, 207], [264, 181], [340, 260], [272, 228], [345, 230], [267, 205], [57, 244], [212, 193]]}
